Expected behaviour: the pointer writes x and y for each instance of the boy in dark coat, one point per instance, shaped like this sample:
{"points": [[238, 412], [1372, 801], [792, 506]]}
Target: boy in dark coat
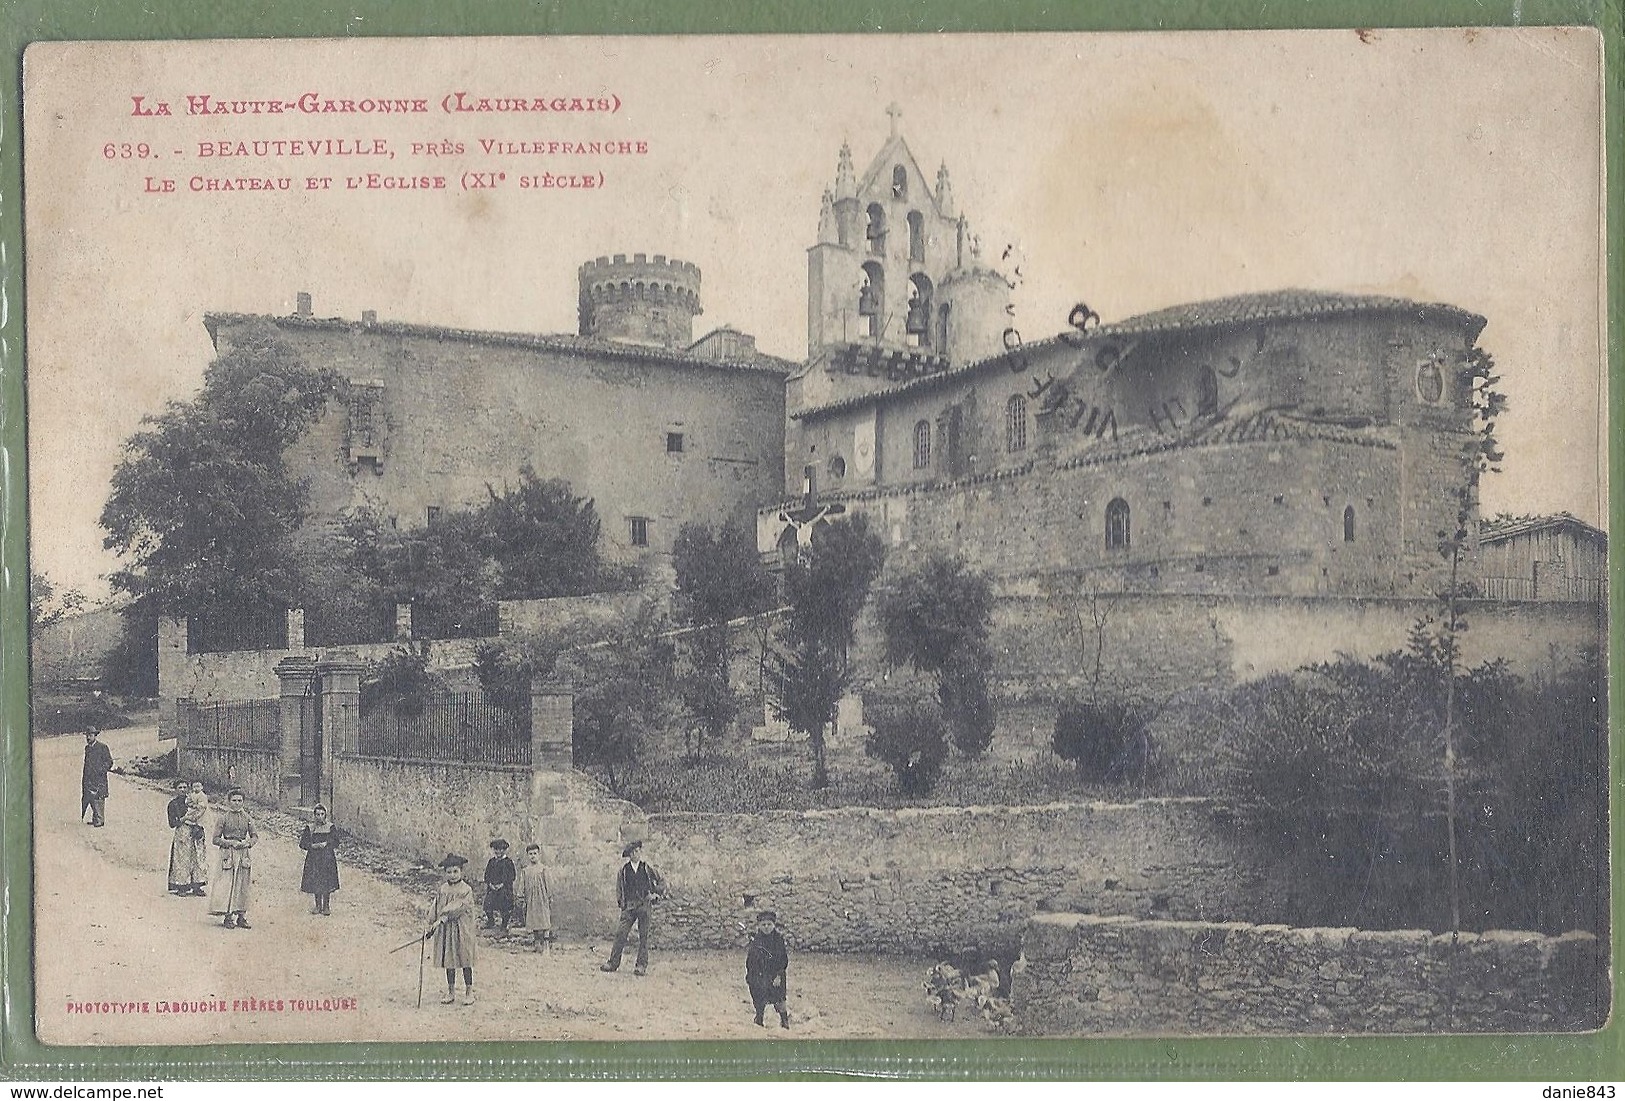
{"points": [[766, 961], [499, 877]]}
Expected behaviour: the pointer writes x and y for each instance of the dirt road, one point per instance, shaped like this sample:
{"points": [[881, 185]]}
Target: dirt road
{"points": [[110, 937]]}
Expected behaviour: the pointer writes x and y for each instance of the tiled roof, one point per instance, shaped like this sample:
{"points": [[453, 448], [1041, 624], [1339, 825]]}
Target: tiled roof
{"points": [[1493, 531], [1241, 309], [1137, 440], [1263, 426], [557, 342]]}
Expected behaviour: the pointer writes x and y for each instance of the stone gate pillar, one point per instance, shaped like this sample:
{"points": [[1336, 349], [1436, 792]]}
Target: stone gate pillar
{"points": [[552, 720], [339, 677], [294, 675]]}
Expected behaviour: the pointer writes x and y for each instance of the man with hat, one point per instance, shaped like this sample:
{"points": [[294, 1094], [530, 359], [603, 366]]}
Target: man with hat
{"points": [[451, 924], [766, 961], [93, 783], [636, 887], [499, 878]]}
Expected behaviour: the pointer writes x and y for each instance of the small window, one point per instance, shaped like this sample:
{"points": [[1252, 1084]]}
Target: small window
{"points": [[1273, 571], [431, 515], [1348, 524], [1207, 500], [922, 445], [1207, 392], [837, 467], [899, 182], [1015, 423], [1280, 498], [1117, 532], [640, 531], [674, 443], [916, 236]]}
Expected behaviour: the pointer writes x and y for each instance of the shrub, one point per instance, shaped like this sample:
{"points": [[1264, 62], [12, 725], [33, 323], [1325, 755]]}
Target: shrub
{"points": [[1105, 739], [401, 680], [966, 703], [910, 736]]}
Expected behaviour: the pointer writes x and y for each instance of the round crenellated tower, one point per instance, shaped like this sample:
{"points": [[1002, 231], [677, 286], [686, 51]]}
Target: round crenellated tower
{"points": [[643, 300]]}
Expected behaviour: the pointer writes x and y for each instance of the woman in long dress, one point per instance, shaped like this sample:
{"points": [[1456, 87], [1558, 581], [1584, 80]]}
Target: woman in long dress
{"points": [[234, 836], [189, 848], [321, 877], [452, 926]]}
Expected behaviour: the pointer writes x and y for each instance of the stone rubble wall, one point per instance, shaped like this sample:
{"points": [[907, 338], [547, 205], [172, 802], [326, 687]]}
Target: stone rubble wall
{"points": [[1088, 973]]}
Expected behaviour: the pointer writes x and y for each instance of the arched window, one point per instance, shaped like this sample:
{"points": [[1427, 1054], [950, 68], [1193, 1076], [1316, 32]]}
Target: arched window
{"points": [[1348, 524], [942, 327], [917, 325], [876, 230], [1117, 524], [899, 182], [922, 445], [916, 236], [871, 296], [1015, 423], [837, 467], [1207, 392]]}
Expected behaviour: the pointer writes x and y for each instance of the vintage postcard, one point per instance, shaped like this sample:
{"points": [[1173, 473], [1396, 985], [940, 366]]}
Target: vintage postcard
{"points": [[778, 538]]}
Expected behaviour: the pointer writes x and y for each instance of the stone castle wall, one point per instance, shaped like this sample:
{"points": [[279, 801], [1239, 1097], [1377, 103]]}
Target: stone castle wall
{"points": [[1087, 974], [456, 414]]}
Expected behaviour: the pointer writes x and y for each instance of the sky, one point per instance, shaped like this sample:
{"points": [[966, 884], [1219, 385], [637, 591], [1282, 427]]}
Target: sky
{"points": [[1130, 171]]}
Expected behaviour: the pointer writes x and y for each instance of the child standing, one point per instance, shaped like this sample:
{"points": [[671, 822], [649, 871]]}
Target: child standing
{"points": [[766, 961], [499, 877], [538, 899], [451, 924]]}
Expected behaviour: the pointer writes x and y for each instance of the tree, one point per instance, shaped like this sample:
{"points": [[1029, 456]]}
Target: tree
{"points": [[720, 578], [531, 541], [46, 606], [910, 736], [542, 538], [825, 589], [1479, 456], [203, 508], [625, 689], [937, 618]]}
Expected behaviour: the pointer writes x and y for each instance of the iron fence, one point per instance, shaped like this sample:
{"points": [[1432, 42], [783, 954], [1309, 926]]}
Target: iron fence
{"points": [[447, 726], [245, 629], [429, 622], [338, 624], [237, 724]]}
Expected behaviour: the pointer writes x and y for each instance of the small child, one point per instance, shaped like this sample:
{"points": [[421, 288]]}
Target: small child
{"points": [[538, 899], [766, 961], [451, 924], [499, 877]]}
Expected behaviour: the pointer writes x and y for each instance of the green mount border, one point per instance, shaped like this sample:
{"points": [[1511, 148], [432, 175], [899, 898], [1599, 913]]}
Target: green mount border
{"points": [[1593, 1057]]}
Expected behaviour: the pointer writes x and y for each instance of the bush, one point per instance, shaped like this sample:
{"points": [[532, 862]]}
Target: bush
{"points": [[1105, 739], [910, 736], [966, 703], [401, 680]]}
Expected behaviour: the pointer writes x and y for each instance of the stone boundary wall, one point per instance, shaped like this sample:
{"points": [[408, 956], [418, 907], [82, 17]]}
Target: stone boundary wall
{"points": [[251, 674], [945, 878], [429, 808], [256, 771], [1085, 974]]}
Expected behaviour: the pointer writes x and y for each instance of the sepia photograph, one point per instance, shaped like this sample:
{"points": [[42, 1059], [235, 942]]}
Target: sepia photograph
{"points": [[770, 538]]}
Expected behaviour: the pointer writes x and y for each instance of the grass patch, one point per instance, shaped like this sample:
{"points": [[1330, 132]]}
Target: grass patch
{"points": [[739, 785]]}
